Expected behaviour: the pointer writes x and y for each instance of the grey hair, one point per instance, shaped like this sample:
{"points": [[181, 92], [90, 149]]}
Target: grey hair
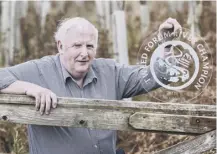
{"points": [[69, 23]]}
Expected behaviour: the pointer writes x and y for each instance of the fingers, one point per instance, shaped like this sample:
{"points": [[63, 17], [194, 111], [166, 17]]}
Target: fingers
{"points": [[48, 104], [44, 102], [172, 26], [175, 24], [166, 25], [177, 27], [37, 102], [54, 100]]}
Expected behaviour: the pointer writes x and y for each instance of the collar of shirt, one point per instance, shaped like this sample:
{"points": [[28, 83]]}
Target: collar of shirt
{"points": [[90, 76]]}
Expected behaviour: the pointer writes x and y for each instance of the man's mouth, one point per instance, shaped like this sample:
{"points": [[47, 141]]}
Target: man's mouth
{"points": [[82, 61]]}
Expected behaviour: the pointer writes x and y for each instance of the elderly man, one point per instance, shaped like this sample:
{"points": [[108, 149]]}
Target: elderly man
{"points": [[73, 72]]}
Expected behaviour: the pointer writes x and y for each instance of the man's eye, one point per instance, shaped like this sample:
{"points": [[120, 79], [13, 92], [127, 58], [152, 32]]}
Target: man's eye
{"points": [[77, 45], [90, 46]]}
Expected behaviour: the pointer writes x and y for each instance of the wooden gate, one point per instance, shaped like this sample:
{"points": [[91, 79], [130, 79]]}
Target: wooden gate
{"points": [[188, 119]]}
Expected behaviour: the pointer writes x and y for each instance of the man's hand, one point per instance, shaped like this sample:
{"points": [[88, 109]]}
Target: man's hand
{"points": [[44, 98], [169, 26]]}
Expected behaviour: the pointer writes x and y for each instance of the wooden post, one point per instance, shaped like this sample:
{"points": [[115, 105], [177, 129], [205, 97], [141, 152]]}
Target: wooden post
{"points": [[113, 115], [195, 11], [45, 7], [144, 15], [120, 37], [5, 30], [12, 19], [119, 32], [12, 11], [42, 8], [100, 13], [107, 16], [103, 14]]}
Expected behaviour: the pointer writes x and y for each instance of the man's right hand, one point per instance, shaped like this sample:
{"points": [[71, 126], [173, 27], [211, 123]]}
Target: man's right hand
{"points": [[44, 98]]}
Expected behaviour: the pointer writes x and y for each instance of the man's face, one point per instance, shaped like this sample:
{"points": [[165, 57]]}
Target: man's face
{"points": [[79, 50]]}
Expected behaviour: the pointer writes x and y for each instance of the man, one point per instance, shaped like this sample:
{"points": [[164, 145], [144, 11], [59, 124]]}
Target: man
{"points": [[74, 72]]}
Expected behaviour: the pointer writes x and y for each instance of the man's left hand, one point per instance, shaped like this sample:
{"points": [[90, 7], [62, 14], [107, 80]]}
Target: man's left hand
{"points": [[172, 26]]}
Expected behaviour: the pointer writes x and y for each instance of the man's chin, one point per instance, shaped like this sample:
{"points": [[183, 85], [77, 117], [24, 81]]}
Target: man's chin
{"points": [[82, 70]]}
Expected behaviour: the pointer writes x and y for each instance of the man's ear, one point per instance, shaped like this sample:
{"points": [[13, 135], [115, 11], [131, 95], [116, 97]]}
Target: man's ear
{"points": [[60, 47]]}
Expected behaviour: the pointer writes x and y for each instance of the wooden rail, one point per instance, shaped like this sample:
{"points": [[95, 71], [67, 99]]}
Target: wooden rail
{"points": [[121, 115], [112, 114]]}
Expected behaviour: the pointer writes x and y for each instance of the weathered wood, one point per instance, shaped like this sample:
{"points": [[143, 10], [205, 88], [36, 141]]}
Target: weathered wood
{"points": [[131, 106], [107, 114], [171, 122], [197, 145]]}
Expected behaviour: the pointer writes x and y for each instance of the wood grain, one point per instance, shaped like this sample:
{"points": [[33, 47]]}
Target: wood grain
{"points": [[112, 114]]}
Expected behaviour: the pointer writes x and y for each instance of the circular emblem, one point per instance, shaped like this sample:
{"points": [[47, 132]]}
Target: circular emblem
{"points": [[179, 63]]}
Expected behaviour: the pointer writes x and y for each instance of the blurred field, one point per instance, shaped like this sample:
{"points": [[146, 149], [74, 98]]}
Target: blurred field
{"points": [[37, 42]]}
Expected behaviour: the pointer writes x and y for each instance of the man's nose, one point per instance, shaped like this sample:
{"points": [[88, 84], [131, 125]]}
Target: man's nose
{"points": [[84, 51]]}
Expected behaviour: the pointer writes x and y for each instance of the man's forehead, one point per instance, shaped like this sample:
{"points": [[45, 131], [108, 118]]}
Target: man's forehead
{"points": [[73, 36], [81, 29]]}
